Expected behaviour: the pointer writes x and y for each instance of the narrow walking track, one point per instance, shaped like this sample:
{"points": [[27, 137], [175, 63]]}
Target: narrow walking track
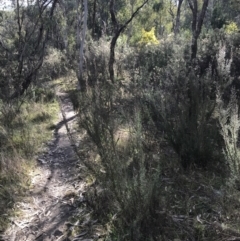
{"points": [[56, 191]]}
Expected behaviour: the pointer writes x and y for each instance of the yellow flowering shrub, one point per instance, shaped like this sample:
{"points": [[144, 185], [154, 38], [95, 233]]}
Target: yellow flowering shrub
{"points": [[231, 28], [148, 37]]}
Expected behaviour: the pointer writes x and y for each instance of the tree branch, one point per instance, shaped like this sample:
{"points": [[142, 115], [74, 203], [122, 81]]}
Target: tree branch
{"points": [[191, 5], [30, 76], [201, 16], [115, 37], [113, 16]]}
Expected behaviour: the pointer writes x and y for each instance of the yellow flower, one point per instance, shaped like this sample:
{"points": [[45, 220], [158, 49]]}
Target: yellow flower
{"points": [[148, 37], [231, 28]]}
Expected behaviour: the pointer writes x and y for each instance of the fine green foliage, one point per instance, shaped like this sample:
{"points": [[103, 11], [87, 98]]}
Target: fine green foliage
{"points": [[158, 122], [180, 103], [127, 181]]}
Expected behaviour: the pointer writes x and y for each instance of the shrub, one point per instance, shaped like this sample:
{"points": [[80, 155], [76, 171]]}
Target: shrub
{"points": [[127, 184], [149, 60], [231, 28], [181, 103], [41, 94], [183, 113], [54, 65], [148, 37], [96, 62]]}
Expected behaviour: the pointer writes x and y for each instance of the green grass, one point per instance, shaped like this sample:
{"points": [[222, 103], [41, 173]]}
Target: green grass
{"points": [[24, 135]]}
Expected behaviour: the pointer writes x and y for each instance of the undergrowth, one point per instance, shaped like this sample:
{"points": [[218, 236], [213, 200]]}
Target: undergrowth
{"points": [[160, 148], [127, 180], [138, 188], [24, 126]]}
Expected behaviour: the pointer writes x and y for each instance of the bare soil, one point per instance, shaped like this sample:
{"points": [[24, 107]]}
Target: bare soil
{"points": [[48, 210]]}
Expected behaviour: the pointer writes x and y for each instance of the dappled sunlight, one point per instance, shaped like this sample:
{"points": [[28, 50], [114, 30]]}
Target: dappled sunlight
{"points": [[121, 137], [119, 120], [54, 192]]}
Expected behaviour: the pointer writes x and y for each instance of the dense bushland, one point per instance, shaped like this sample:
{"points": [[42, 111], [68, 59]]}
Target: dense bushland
{"points": [[159, 132], [164, 116]]}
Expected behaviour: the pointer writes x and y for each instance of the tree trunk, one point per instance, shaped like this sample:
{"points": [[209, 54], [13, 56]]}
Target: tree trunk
{"points": [[94, 18], [38, 49], [197, 23], [177, 24], [194, 47], [65, 28], [117, 31], [81, 37], [130, 32], [112, 56]]}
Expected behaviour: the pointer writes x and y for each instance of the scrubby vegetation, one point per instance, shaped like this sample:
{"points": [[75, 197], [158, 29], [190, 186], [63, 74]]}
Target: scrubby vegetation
{"points": [[157, 108], [24, 127], [164, 146], [25, 124]]}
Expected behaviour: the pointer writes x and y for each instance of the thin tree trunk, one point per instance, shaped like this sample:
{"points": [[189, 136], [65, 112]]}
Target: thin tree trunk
{"points": [[81, 36], [94, 18], [194, 8], [170, 11], [117, 31], [177, 24], [65, 28], [197, 23], [130, 32], [40, 46]]}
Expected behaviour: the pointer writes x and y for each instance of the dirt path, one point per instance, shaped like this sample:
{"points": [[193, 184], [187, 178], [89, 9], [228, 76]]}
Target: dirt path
{"points": [[56, 192]]}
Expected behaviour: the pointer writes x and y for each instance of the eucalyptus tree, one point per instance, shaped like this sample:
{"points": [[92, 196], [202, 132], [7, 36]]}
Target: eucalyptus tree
{"points": [[177, 23], [117, 30], [197, 22], [82, 17], [23, 36]]}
